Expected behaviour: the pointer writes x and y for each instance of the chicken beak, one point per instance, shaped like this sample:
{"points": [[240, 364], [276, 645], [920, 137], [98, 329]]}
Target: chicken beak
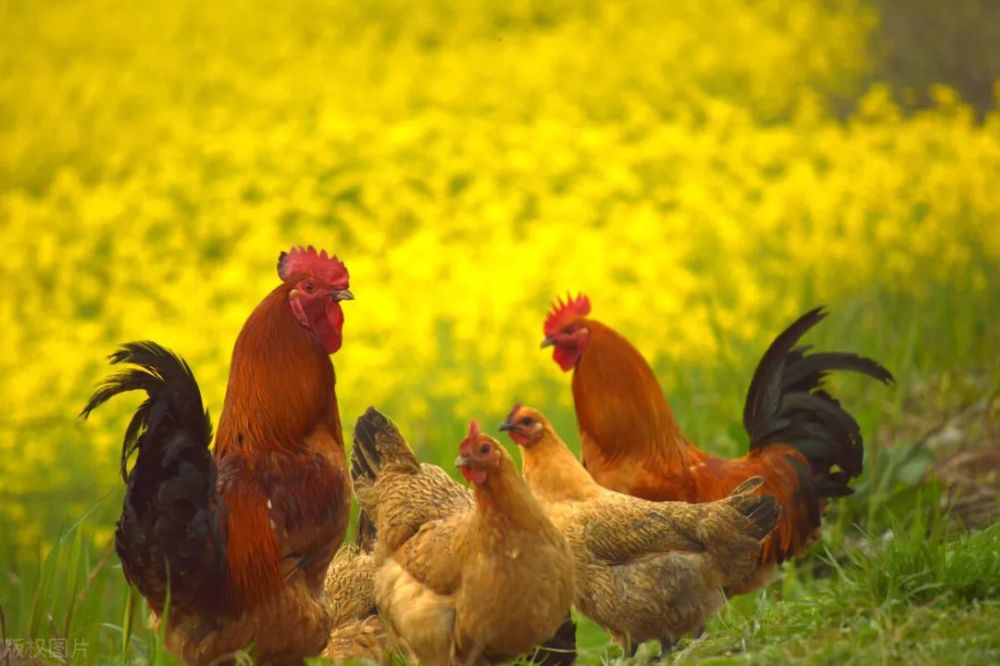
{"points": [[507, 426], [548, 342], [342, 295], [461, 461]]}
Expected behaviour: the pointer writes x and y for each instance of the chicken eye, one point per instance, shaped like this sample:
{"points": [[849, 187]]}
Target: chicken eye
{"points": [[526, 421], [567, 329], [309, 287], [484, 449]]}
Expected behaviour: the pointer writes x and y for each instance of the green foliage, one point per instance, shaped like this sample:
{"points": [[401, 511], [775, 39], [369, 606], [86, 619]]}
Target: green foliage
{"points": [[924, 563]]}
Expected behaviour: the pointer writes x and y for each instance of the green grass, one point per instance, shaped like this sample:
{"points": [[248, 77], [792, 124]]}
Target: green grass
{"points": [[895, 580], [920, 594], [920, 597]]}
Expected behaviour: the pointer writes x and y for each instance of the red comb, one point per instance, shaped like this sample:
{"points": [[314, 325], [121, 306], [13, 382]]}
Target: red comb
{"points": [[306, 261], [466, 445], [513, 410], [563, 312]]}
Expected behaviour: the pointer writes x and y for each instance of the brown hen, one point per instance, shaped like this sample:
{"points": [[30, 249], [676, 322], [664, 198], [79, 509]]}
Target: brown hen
{"points": [[644, 570], [463, 578]]}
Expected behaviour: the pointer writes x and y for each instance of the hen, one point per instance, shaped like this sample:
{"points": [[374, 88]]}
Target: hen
{"points": [[644, 570], [357, 631], [463, 578], [239, 541], [802, 442]]}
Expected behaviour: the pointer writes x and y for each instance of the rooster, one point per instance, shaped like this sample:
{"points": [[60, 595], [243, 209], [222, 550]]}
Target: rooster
{"points": [[462, 578], [232, 548], [802, 442]]}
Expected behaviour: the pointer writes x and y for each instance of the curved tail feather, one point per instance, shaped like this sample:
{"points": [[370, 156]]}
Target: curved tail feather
{"points": [[786, 402], [378, 443], [172, 531], [787, 405]]}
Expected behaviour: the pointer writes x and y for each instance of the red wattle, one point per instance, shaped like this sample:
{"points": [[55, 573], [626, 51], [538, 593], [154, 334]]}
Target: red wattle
{"points": [[471, 475], [566, 358]]}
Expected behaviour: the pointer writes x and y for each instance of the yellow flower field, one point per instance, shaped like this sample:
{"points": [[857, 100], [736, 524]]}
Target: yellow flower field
{"points": [[468, 162]]}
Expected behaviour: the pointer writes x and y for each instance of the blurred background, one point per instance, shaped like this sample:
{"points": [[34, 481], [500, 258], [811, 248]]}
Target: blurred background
{"points": [[705, 171]]}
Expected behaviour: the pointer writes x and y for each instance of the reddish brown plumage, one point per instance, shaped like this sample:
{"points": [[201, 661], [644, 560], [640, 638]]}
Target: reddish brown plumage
{"points": [[242, 537], [281, 393], [632, 443]]}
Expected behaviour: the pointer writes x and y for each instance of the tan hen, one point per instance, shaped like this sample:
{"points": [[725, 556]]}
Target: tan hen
{"points": [[462, 578], [645, 570]]}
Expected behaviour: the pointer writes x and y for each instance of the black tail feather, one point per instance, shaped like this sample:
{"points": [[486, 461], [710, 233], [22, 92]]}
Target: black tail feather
{"points": [[366, 464], [160, 373], [377, 441], [764, 393], [365, 459], [363, 473], [172, 528], [804, 372], [787, 404]]}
